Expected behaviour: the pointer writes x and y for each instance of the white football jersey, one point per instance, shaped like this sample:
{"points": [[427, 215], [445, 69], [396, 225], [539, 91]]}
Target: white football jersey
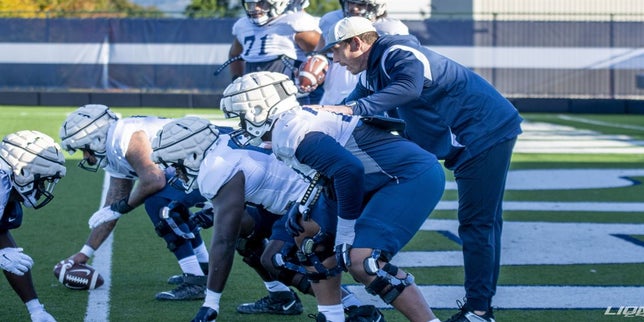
{"points": [[291, 127], [118, 140], [269, 182], [339, 82], [276, 38]]}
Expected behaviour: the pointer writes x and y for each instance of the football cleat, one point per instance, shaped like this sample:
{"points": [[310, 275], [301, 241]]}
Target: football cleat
{"points": [[282, 303], [205, 314], [178, 279], [192, 288], [364, 313]]}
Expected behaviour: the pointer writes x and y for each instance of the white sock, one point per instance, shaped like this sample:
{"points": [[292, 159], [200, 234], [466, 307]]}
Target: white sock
{"points": [[190, 265], [202, 253], [435, 320], [34, 306], [276, 286], [333, 313], [212, 299]]}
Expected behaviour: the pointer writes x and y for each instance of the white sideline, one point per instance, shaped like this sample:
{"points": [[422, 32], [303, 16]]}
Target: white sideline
{"points": [[98, 303]]}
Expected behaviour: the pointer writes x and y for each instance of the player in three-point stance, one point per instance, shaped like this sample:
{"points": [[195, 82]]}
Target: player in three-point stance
{"points": [[122, 148], [31, 164]]}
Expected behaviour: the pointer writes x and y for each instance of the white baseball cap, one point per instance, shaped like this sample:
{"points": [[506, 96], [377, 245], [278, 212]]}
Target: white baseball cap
{"points": [[346, 28]]}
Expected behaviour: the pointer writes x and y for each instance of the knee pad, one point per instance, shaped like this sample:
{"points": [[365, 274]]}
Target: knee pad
{"points": [[386, 285]]}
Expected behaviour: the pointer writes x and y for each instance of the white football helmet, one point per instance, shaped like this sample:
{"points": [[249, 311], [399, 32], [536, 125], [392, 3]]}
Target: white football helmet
{"points": [[182, 144], [86, 128], [261, 12], [35, 163], [373, 8], [257, 98]]}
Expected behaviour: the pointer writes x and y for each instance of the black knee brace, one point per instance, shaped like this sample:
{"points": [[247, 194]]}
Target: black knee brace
{"points": [[386, 285], [310, 254], [172, 240]]}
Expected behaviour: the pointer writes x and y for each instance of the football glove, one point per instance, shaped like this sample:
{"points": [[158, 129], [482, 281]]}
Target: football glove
{"points": [[42, 316], [13, 260], [203, 218], [293, 216], [342, 256], [205, 314], [103, 215]]}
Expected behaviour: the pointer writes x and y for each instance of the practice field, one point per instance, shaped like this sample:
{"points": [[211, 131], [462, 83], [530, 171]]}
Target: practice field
{"points": [[573, 234]]}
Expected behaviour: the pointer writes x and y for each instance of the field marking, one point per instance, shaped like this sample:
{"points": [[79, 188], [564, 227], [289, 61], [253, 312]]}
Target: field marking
{"points": [[567, 179], [98, 303], [540, 243], [558, 206], [545, 138], [601, 123], [527, 297]]}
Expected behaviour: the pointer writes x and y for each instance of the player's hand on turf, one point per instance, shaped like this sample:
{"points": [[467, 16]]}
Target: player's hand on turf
{"points": [[13, 260], [42, 316], [342, 256], [205, 314], [102, 216], [293, 226]]}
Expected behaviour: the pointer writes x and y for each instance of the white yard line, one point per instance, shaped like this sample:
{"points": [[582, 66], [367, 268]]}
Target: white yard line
{"points": [[98, 303], [529, 297]]}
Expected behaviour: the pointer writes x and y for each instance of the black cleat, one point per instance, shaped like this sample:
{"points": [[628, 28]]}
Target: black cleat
{"points": [[282, 303], [192, 288]]}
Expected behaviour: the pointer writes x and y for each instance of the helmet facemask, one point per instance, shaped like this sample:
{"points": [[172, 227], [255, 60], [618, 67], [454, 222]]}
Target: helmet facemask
{"points": [[260, 12], [36, 164], [370, 9]]}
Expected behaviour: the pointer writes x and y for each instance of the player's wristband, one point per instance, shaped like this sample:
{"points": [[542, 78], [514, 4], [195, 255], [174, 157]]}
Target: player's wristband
{"points": [[122, 206], [87, 251]]}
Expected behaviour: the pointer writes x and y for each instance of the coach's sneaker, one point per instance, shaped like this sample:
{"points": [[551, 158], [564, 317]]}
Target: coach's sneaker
{"points": [[178, 279], [467, 315], [283, 303], [363, 313], [192, 288]]}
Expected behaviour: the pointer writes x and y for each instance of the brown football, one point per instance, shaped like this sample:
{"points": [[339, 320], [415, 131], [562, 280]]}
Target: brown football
{"points": [[77, 276], [312, 72]]}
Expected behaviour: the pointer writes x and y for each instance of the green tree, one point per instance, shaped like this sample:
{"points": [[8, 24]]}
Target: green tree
{"points": [[320, 7], [211, 8], [73, 8], [228, 8]]}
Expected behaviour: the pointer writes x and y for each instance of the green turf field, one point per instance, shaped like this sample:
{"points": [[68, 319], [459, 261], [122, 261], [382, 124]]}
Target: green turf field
{"points": [[141, 263]]}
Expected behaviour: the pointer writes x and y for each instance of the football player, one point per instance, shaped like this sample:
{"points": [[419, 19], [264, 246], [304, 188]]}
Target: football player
{"points": [[31, 164], [452, 112], [385, 185], [232, 176], [339, 82], [122, 148], [270, 38]]}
